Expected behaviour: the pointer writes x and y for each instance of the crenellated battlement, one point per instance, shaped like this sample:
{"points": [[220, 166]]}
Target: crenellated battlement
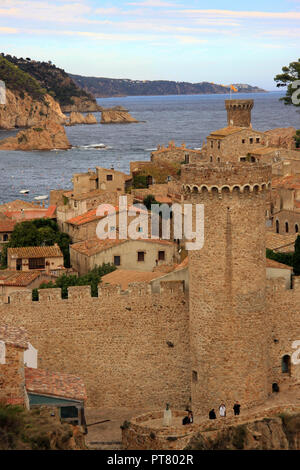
{"points": [[79, 293], [226, 178], [239, 104]]}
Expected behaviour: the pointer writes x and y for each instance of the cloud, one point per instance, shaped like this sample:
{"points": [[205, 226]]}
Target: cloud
{"points": [[5, 30], [153, 3], [293, 15], [190, 40]]}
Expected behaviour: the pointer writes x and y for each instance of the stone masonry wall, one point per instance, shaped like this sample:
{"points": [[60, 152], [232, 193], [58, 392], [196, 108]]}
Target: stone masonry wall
{"points": [[12, 381], [117, 342]]}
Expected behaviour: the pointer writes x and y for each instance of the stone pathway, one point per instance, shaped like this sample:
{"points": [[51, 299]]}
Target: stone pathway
{"points": [[108, 436]]}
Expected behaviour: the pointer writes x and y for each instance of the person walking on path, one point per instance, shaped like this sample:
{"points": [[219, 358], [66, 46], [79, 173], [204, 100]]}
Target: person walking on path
{"points": [[236, 408], [222, 410], [212, 414]]}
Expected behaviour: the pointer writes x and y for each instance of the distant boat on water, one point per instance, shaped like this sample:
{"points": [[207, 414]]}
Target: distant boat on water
{"points": [[24, 191], [41, 198]]}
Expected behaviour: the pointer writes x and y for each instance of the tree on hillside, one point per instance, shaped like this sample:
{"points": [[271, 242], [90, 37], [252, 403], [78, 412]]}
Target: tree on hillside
{"points": [[93, 278], [296, 257], [149, 200], [38, 232], [286, 79]]}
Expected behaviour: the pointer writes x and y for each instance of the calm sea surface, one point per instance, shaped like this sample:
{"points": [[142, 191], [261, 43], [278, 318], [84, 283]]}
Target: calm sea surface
{"points": [[188, 118]]}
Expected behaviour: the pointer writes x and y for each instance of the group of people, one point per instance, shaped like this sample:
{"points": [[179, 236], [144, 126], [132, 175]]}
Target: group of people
{"points": [[222, 411], [189, 419]]}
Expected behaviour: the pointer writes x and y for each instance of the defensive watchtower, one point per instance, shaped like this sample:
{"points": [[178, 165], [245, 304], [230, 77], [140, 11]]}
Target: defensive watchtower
{"points": [[239, 112], [228, 325]]}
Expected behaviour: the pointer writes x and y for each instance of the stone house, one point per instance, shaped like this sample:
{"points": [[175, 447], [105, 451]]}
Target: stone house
{"points": [[10, 281], [102, 178], [42, 258], [232, 144], [6, 228], [83, 227], [135, 255], [31, 386], [279, 270], [171, 153], [286, 204]]}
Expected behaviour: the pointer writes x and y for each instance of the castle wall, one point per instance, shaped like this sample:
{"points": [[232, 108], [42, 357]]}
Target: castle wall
{"points": [[283, 314], [117, 343], [12, 380]]}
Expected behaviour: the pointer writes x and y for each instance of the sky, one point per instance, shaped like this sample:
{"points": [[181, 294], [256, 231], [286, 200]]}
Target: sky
{"points": [[182, 40]]}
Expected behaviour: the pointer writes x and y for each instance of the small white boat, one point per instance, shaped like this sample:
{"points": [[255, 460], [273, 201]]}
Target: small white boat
{"points": [[24, 191], [41, 198]]}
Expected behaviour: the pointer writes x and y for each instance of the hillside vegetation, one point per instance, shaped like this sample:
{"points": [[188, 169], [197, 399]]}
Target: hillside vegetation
{"points": [[18, 80], [104, 87], [37, 429], [49, 78]]}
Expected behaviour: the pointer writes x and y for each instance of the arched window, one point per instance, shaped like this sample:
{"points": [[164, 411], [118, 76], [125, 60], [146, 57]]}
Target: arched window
{"points": [[275, 388], [218, 159], [277, 226], [5, 237], [296, 228], [287, 227], [211, 158], [286, 364]]}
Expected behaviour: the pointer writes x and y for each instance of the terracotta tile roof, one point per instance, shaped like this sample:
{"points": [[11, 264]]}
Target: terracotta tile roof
{"points": [[183, 264], [17, 205], [276, 241], [20, 279], [7, 225], [35, 252], [124, 277], [30, 214], [14, 335], [85, 218], [225, 131], [95, 245], [288, 182], [270, 263], [57, 384], [265, 150]]}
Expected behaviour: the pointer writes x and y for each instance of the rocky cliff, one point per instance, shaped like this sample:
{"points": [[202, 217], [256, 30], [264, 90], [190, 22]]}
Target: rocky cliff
{"points": [[22, 110], [56, 82], [82, 105], [117, 115], [274, 433], [48, 136], [78, 118]]}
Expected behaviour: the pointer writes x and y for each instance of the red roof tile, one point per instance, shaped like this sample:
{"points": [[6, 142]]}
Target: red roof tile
{"points": [[35, 252], [20, 279], [31, 213], [270, 263], [7, 225], [62, 385]]}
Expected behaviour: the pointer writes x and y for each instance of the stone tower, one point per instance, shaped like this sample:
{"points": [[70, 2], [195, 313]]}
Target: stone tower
{"points": [[228, 325], [239, 112]]}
